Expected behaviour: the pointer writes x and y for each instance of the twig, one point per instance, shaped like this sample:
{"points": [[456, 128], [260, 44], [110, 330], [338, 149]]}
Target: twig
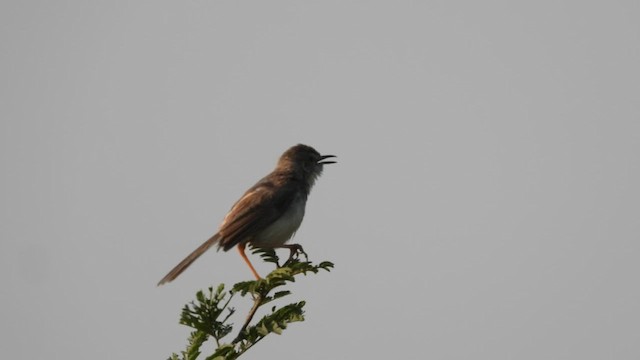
{"points": [[256, 304]]}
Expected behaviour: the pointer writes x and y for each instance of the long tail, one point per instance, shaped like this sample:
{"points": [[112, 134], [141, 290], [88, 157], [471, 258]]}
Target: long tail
{"points": [[184, 264]]}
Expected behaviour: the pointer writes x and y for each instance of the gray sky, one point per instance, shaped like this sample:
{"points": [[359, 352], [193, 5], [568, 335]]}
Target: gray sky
{"points": [[485, 204]]}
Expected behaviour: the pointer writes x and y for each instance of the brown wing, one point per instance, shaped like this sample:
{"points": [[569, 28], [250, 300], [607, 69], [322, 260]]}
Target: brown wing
{"points": [[258, 208]]}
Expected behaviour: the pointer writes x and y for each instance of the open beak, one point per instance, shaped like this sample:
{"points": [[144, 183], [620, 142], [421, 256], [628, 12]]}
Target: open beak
{"points": [[322, 160]]}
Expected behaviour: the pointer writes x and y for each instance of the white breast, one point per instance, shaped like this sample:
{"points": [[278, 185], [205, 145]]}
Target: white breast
{"points": [[284, 228]]}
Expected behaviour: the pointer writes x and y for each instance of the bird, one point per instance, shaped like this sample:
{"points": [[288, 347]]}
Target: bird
{"points": [[270, 212]]}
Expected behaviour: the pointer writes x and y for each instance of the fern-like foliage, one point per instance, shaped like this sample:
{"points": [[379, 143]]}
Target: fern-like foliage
{"points": [[210, 312]]}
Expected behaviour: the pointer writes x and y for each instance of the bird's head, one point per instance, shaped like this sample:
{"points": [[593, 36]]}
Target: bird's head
{"points": [[304, 161]]}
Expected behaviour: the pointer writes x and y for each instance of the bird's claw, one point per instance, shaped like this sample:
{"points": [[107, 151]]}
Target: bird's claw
{"points": [[295, 251]]}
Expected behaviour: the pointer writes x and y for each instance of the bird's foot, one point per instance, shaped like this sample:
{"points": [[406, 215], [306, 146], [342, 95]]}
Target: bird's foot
{"points": [[295, 251]]}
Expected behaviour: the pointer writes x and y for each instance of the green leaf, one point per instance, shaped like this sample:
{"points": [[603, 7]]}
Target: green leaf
{"points": [[210, 312], [280, 294], [262, 329]]}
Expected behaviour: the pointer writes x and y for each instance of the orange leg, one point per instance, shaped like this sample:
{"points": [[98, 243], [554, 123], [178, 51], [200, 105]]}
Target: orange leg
{"points": [[241, 247]]}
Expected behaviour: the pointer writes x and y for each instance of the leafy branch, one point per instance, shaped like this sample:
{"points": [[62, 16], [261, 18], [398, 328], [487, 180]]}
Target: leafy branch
{"points": [[209, 313]]}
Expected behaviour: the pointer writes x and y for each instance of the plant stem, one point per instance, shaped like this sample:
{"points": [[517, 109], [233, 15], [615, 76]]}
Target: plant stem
{"points": [[256, 304]]}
